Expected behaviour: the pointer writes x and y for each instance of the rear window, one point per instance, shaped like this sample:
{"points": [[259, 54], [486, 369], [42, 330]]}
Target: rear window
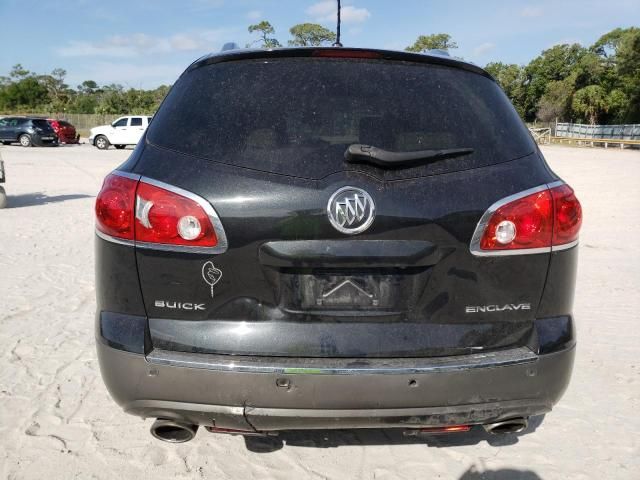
{"points": [[298, 116], [64, 124], [136, 122], [41, 124]]}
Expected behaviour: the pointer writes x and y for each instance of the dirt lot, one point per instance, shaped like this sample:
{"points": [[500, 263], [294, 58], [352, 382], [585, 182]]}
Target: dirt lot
{"points": [[58, 422]]}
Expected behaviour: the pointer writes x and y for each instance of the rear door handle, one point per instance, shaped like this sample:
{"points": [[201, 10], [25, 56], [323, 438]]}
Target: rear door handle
{"points": [[349, 253]]}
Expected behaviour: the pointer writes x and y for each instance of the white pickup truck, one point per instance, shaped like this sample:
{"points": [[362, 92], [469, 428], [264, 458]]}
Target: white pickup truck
{"points": [[122, 132]]}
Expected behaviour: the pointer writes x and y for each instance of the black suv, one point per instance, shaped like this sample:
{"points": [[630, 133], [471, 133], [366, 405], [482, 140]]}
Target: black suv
{"points": [[335, 238], [27, 131]]}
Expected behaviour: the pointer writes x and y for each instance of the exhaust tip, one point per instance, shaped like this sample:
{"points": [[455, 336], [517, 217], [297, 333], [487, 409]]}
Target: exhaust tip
{"points": [[515, 425], [172, 431]]}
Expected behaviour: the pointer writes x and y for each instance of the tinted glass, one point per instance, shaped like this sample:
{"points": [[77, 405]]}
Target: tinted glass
{"points": [[297, 116], [14, 122], [64, 124], [136, 122], [121, 123], [43, 124]]}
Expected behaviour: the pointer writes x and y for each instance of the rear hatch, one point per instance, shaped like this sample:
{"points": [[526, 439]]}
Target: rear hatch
{"points": [[263, 140], [43, 128], [67, 130]]}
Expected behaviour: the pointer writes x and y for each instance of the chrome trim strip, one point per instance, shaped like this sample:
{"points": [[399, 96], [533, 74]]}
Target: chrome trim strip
{"points": [[565, 246], [555, 184], [344, 366], [505, 253], [109, 238], [474, 246], [132, 176], [222, 245]]}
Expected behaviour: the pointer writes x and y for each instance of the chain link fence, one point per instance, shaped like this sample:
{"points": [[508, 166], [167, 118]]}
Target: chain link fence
{"points": [[580, 130]]}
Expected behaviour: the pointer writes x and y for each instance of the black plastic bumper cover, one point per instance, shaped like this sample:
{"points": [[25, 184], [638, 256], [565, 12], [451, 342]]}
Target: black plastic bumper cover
{"points": [[231, 393]]}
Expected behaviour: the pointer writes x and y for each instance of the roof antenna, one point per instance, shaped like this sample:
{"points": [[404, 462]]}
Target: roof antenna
{"points": [[337, 42]]}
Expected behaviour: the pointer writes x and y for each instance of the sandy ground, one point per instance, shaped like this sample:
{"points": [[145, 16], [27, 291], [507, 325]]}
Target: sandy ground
{"points": [[58, 422]]}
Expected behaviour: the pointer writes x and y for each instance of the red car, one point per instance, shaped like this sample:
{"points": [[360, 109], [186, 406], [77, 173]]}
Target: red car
{"points": [[65, 131]]}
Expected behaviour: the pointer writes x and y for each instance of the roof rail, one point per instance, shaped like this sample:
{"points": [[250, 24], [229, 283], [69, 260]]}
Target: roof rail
{"points": [[230, 46], [437, 51]]}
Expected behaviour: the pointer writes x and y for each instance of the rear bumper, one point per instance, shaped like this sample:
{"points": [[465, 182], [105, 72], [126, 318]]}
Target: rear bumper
{"points": [[288, 394], [39, 142], [71, 138]]}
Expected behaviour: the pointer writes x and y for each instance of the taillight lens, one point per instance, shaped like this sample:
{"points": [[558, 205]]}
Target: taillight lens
{"points": [[132, 209], [530, 217], [163, 216], [567, 215], [115, 206], [542, 219]]}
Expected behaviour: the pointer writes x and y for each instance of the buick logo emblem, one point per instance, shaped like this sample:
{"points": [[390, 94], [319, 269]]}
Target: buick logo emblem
{"points": [[351, 210]]}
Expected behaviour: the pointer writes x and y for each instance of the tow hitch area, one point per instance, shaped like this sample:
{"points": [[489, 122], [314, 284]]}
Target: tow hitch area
{"points": [[235, 431], [414, 432]]}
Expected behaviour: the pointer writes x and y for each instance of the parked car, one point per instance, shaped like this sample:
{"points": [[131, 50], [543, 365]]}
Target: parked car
{"points": [[124, 131], [65, 131], [3, 179], [27, 131], [335, 238]]}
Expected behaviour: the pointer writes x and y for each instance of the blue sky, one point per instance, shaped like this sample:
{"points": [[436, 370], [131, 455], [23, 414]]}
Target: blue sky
{"points": [[144, 43]]}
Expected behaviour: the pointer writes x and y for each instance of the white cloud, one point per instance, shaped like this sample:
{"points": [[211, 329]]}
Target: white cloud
{"points": [[254, 15], [206, 4], [483, 48], [532, 11], [326, 11], [131, 75], [137, 44], [351, 14]]}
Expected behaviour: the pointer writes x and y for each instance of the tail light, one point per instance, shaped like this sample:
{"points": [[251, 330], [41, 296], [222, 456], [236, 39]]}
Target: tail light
{"points": [[115, 206], [538, 220], [346, 53], [152, 214]]}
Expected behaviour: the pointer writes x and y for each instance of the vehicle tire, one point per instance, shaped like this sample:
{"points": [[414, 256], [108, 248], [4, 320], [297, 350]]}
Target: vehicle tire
{"points": [[120, 147], [25, 140], [101, 142], [6, 143], [3, 198]]}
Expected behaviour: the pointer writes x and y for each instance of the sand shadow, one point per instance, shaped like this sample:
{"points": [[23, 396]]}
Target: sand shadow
{"points": [[366, 437], [39, 198], [502, 474]]}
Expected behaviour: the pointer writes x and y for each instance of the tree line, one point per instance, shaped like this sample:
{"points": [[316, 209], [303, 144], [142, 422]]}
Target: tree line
{"points": [[23, 91], [569, 82]]}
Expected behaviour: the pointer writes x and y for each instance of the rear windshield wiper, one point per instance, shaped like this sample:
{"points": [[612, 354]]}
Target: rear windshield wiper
{"points": [[358, 153]]}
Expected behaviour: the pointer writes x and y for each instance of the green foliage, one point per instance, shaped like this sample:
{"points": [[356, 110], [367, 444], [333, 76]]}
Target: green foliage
{"points": [[573, 83], [511, 78], [556, 100], [310, 35], [264, 29], [25, 92], [437, 41], [553, 65], [590, 102], [627, 67]]}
